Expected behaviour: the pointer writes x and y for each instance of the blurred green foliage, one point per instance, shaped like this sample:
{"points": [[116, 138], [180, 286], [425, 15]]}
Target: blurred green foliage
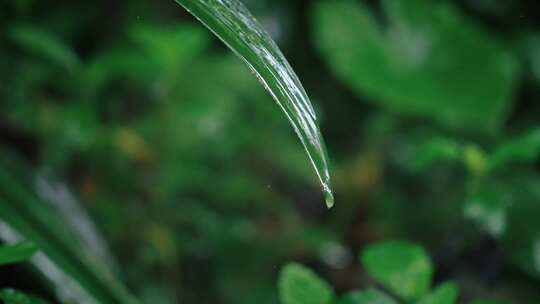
{"points": [[428, 60], [399, 262], [202, 192], [390, 263]]}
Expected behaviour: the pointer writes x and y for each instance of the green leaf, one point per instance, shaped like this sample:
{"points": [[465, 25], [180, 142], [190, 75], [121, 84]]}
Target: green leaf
{"points": [[17, 253], [159, 49], [36, 220], [231, 22], [11, 296], [300, 285], [435, 150], [369, 296], [522, 149], [446, 293], [402, 267], [170, 46], [428, 60], [44, 44]]}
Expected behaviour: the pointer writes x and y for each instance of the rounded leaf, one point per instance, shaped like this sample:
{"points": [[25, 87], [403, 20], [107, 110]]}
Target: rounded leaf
{"points": [[300, 285], [402, 267]]}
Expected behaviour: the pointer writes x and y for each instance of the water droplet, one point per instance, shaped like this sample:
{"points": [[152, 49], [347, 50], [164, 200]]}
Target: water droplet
{"points": [[328, 197]]}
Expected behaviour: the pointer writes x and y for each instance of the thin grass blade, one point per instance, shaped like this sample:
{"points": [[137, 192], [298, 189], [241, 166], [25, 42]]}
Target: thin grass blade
{"points": [[233, 24]]}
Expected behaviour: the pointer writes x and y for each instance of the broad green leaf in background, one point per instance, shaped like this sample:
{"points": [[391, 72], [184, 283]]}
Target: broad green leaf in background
{"points": [[17, 253], [34, 219], [446, 293], [231, 22], [369, 296], [525, 148], [11, 296], [403, 268], [170, 46], [427, 61], [44, 44], [300, 285]]}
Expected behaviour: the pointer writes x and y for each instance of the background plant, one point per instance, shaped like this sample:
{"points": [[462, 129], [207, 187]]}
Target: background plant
{"points": [[403, 269], [197, 191]]}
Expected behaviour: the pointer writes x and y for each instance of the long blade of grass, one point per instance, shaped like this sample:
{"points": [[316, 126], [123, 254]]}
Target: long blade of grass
{"points": [[232, 23]]}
